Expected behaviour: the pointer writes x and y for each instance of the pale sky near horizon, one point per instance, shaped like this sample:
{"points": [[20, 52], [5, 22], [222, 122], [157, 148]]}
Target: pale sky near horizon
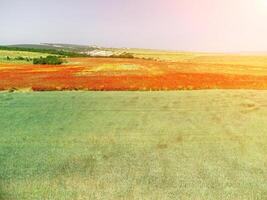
{"points": [[188, 25]]}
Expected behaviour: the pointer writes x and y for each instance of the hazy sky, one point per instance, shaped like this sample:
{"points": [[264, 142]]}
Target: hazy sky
{"points": [[198, 25]]}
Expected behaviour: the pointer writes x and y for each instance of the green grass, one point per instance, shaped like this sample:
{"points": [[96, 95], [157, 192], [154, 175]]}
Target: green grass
{"points": [[14, 54], [133, 145]]}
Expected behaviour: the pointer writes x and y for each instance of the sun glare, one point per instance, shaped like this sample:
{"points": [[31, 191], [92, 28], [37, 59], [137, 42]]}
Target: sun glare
{"points": [[264, 3]]}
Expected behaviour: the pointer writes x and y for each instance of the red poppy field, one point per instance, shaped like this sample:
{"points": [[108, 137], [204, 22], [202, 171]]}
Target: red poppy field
{"points": [[131, 74]]}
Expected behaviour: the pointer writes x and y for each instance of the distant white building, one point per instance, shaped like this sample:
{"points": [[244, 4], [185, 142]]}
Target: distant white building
{"points": [[99, 53]]}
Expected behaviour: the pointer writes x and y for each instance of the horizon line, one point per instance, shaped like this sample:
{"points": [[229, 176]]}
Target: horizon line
{"points": [[141, 48]]}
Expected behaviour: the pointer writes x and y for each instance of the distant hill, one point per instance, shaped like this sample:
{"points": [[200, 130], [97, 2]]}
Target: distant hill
{"points": [[32, 46], [57, 46], [71, 50]]}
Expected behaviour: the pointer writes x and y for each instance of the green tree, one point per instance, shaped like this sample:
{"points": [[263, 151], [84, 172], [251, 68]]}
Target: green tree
{"points": [[49, 60]]}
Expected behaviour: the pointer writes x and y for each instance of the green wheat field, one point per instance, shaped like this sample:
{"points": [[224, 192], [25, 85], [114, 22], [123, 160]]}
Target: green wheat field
{"points": [[133, 145]]}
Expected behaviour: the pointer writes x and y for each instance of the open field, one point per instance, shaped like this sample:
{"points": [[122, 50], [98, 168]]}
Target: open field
{"points": [[150, 70], [133, 145], [200, 57], [14, 54], [163, 55], [215, 72], [208, 144]]}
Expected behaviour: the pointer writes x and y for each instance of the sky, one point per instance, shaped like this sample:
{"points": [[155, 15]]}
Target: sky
{"points": [[184, 25]]}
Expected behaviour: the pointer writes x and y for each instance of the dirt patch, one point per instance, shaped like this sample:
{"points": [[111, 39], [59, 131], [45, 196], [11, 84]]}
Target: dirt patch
{"points": [[249, 107], [179, 139], [162, 146]]}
